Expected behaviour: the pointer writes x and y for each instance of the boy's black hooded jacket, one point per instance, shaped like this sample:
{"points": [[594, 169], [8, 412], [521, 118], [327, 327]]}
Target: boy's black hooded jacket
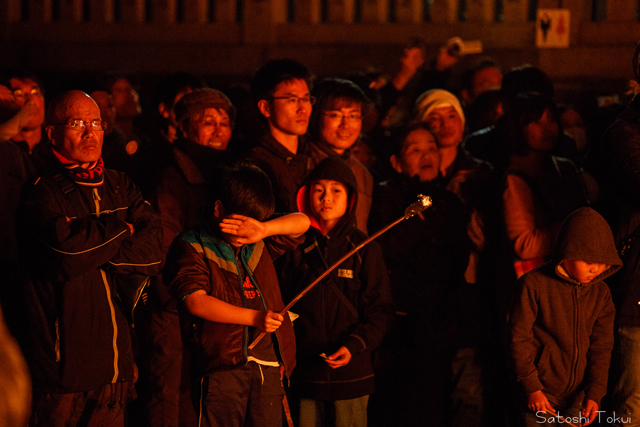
{"points": [[561, 330], [327, 321]]}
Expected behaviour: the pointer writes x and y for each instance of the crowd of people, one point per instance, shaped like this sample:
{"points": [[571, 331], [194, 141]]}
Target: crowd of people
{"points": [[142, 266]]}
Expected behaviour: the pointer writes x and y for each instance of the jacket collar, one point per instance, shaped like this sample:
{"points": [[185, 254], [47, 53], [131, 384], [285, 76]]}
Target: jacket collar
{"points": [[272, 145]]}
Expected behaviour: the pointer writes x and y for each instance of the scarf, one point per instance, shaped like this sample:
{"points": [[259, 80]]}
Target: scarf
{"points": [[93, 176]]}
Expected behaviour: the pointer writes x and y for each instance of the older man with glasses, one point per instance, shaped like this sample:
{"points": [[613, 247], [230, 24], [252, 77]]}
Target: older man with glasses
{"points": [[85, 233]]}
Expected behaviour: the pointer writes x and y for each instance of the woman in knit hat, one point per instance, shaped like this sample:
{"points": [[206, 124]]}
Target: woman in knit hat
{"points": [[205, 120], [206, 117]]}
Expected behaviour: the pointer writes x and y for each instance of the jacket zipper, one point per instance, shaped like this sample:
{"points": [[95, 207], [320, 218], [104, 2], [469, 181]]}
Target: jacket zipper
{"points": [[114, 342], [96, 201], [264, 304], [576, 347], [57, 345], [245, 328]]}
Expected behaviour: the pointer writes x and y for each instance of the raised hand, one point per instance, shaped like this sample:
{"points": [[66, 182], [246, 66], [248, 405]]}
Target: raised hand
{"points": [[245, 230]]}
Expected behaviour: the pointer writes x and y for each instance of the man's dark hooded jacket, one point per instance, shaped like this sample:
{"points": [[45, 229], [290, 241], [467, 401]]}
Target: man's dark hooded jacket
{"points": [[327, 321], [561, 330]]}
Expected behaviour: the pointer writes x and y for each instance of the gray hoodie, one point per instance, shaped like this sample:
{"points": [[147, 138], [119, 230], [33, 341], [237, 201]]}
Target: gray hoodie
{"points": [[561, 330]]}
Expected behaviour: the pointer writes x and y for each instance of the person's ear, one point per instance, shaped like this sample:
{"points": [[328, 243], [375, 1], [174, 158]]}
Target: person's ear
{"points": [[51, 134], [163, 110], [181, 128], [264, 107], [395, 163], [466, 97], [218, 210]]}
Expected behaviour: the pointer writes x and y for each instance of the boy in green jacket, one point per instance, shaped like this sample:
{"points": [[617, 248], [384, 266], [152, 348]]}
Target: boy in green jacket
{"points": [[221, 271], [561, 325]]}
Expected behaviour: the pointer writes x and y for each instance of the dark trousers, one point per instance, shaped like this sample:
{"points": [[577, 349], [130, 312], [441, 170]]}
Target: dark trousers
{"points": [[248, 396], [164, 388], [101, 407]]}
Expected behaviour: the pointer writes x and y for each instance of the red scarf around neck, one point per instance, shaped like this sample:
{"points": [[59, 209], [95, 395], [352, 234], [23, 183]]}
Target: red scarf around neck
{"points": [[93, 176]]}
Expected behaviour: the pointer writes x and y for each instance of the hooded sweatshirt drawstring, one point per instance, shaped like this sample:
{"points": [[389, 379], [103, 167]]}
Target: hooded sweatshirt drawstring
{"points": [[112, 394], [112, 400]]}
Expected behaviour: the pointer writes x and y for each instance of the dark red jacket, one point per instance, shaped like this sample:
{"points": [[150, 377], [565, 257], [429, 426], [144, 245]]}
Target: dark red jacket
{"points": [[198, 260]]}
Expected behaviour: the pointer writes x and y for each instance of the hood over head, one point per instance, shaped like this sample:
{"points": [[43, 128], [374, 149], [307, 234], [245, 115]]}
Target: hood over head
{"points": [[586, 236], [336, 169]]}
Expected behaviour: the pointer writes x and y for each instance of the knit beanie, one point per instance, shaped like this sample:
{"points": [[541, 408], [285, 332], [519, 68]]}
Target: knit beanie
{"points": [[194, 103], [436, 98]]}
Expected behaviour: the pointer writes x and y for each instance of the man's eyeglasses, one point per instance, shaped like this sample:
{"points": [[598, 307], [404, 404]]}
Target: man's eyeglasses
{"points": [[291, 100], [19, 93], [349, 118], [81, 125]]}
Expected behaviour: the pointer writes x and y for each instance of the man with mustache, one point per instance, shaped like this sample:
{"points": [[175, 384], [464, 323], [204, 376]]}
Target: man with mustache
{"points": [[83, 231]]}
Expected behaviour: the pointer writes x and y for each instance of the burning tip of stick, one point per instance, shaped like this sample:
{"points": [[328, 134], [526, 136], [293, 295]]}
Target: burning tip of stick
{"points": [[418, 206]]}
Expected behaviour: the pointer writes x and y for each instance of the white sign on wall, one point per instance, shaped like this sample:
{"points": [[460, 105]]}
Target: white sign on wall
{"points": [[552, 27]]}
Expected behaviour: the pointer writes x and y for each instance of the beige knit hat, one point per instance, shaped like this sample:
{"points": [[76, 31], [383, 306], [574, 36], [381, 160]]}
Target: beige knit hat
{"points": [[194, 103], [436, 98]]}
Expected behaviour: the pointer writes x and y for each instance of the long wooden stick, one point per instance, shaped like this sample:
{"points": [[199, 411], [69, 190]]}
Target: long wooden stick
{"points": [[423, 203]]}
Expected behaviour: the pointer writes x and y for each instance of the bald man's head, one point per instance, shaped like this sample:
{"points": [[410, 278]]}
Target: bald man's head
{"points": [[76, 130]]}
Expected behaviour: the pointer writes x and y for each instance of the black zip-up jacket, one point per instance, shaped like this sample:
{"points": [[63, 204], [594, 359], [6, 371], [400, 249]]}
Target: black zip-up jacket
{"points": [[286, 170], [326, 321], [72, 248]]}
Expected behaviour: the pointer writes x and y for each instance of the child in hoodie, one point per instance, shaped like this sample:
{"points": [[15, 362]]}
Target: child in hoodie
{"points": [[344, 318], [561, 324]]}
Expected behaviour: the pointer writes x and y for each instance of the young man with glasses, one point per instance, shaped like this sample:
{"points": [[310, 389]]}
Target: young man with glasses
{"points": [[282, 91], [335, 126], [84, 231]]}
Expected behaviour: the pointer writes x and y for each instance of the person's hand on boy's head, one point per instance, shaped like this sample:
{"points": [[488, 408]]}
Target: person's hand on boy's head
{"points": [[267, 320], [340, 358], [537, 401], [589, 410], [242, 230]]}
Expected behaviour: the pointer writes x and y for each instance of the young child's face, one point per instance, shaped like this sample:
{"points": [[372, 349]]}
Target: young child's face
{"points": [[583, 271], [329, 201]]}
